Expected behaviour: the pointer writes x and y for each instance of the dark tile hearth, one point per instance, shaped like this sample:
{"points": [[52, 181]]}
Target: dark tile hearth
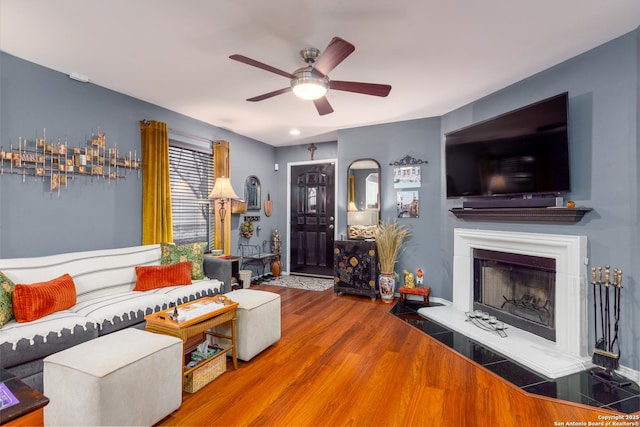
{"points": [[581, 387]]}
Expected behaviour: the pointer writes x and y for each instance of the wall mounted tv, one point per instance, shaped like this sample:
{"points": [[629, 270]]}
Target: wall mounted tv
{"points": [[520, 154]]}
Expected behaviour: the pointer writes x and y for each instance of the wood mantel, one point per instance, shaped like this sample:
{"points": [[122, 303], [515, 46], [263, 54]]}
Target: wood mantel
{"points": [[545, 215]]}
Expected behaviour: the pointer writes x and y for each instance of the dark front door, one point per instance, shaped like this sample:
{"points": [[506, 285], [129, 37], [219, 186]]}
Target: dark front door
{"points": [[312, 219]]}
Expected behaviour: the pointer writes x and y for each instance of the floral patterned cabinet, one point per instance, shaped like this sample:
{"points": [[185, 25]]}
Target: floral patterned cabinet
{"points": [[355, 267]]}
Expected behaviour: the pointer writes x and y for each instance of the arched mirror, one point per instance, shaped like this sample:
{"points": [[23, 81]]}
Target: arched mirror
{"points": [[363, 198], [252, 193]]}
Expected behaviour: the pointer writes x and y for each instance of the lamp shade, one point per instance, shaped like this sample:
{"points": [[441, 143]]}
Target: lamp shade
{"points": [[222, 189]]}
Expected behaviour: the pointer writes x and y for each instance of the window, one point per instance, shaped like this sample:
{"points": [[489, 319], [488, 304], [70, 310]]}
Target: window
{"points": [[191, 178]]}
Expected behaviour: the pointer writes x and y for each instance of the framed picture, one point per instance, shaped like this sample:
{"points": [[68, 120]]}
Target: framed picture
{"points": [[407, 177], [408, 204]]}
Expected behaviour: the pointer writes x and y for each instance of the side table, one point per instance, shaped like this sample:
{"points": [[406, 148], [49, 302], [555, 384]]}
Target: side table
{"points": [[29, 410], [233, 262], [424, 291], [161, 323]]}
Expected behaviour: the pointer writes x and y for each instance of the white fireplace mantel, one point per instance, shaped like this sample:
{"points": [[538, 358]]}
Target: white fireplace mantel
{"points": [[568, 354]]}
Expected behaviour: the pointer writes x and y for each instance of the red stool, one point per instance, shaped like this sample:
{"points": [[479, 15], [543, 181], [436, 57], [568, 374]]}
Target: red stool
{"points": [[418, 290]]}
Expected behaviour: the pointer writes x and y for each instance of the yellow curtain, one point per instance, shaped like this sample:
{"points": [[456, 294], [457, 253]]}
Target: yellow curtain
{"points": [[157, 225]]}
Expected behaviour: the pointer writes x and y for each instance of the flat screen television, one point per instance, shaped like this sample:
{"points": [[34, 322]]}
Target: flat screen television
{"points": [[520, 153]]}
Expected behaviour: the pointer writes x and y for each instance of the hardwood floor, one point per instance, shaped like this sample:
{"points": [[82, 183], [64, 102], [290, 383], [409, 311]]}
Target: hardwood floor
{"points": [[346, 361]]}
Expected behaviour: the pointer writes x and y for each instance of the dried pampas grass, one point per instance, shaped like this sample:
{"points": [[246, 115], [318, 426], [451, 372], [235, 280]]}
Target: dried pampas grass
{"points": [[389, 236]]}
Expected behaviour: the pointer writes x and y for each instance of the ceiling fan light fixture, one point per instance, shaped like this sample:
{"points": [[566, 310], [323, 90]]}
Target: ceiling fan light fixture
{"points": [[308, 86]]}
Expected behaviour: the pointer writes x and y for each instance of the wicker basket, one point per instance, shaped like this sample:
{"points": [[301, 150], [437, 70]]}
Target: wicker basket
{"points": [[204, 374]]}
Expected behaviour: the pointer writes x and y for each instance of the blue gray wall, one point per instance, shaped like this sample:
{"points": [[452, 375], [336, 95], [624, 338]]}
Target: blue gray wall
{"points": [[388, 143], [91, 214]]}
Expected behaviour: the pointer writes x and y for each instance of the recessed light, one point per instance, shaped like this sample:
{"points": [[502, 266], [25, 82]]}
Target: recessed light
{"points": [[294, 132]]}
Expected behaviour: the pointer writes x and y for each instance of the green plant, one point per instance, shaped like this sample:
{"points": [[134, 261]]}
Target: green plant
{"points": [[389, 236]]}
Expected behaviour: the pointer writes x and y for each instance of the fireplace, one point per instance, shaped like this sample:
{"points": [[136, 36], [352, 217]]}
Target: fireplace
{"points": [[557, 274], [517, 289]]}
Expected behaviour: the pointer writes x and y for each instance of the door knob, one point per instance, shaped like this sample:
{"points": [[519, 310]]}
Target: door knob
{"points": [[330, 226], [331, 218]]}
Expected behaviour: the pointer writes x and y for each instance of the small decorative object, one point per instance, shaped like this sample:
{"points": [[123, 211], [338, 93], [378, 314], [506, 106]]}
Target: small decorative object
{"points": [[387, 285], [408, 279], [408, 161], [312, 149], [246, 229], [276, 263], [362, 231], [419, 276], [571, 204], [238, 207], [606, 309], [276, 266], [389, 237], [268, 205], [486, 322]]}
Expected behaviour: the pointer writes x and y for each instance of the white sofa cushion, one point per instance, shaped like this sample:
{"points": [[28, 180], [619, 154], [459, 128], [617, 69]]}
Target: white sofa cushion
{"points": [[23, 342], [181, 294], [13, 331], [113, 312], [95, 273], [116, 311]]}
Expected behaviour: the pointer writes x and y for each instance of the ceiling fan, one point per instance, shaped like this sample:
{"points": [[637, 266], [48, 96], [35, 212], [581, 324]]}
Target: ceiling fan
{"points": [[312, 82]]}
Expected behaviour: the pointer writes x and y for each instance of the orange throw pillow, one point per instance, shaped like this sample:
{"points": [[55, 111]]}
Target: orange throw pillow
{"points": [[161, 276], [31, 302]]}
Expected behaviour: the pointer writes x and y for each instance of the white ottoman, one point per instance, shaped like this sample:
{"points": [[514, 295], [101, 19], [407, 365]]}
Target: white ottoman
{"points": [[258, 321], [130, 377]]}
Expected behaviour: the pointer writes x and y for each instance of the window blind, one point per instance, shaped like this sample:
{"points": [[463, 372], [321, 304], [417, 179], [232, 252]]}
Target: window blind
{"points": [[191, 181]]}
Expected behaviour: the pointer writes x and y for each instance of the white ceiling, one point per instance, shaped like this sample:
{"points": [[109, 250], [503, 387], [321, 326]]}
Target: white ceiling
{"points": [[437, 54]]}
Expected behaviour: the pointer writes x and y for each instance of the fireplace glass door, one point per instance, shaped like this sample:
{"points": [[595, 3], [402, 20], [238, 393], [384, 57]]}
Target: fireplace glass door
{"points": [[518, 289]]}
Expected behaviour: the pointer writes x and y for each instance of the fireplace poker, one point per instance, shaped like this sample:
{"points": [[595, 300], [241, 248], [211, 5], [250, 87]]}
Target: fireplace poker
{"points": [[603, 354], [617, 281], [607, 311], [595, 312], [600, 342]]}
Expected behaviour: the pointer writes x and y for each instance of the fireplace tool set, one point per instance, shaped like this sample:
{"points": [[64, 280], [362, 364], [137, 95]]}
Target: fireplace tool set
{"points": [[606, 307]]}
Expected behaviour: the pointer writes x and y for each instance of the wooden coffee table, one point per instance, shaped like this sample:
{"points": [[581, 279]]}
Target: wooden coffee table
{"points": [[200, 316]]}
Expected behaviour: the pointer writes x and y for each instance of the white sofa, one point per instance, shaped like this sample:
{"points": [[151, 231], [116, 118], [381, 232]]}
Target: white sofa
{"points": [[106, 302]]}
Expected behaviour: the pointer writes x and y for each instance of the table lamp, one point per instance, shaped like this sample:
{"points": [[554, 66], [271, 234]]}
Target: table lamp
{"points": [[222, 190]]}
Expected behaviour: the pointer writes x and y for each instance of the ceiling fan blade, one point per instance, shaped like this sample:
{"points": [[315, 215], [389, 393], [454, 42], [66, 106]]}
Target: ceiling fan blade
{"points": [[270, 94], [359, 87], [253, 62], [336, 52], [323, 106]]}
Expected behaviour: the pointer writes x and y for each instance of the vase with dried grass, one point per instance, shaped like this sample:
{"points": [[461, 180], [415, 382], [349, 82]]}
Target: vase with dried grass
{"points": [[389, 238]]}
